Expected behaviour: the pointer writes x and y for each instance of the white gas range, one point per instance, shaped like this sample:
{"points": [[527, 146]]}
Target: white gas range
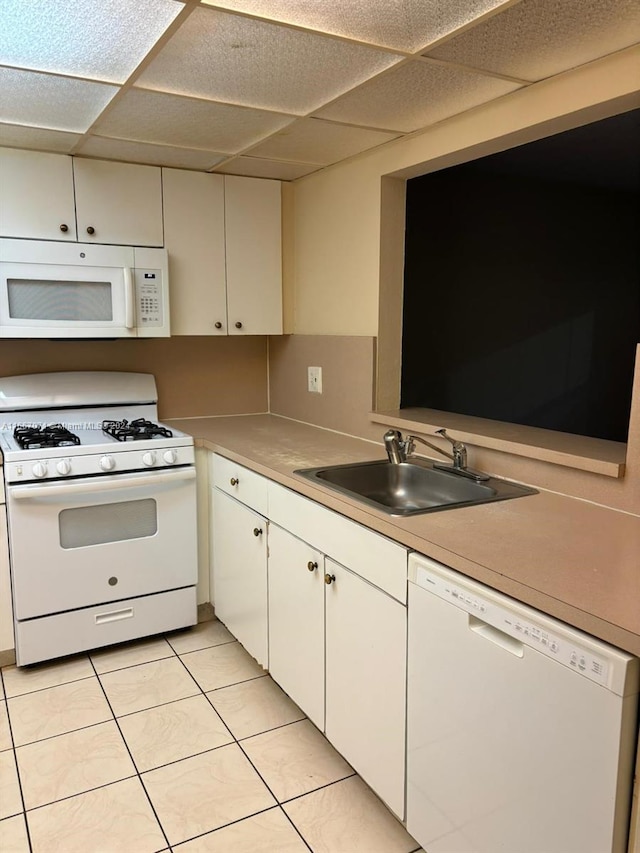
{"points": [[101, 510]]}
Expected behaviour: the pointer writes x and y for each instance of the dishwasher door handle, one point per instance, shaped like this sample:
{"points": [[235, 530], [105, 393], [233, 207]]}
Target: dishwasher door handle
{"points": [[496, 636]]}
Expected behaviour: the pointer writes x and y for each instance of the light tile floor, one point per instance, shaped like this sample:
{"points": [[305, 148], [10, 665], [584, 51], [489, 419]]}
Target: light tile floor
{"points": [[179, 743]]}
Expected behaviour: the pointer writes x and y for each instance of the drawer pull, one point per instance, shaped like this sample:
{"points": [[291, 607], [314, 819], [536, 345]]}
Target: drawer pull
{"points": [[234, 481], [114, 616], [312, 566], [257, 531], [329, 579]]}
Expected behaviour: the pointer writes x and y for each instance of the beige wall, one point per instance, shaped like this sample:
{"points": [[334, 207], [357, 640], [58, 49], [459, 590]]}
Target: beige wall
{"points": [[348, 365], [344, 230], [334, 280], [196, 376], [347, 377]]}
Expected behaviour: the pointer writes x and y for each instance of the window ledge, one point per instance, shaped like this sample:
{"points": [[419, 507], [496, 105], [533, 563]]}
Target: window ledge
{"points": [[596, 455]]}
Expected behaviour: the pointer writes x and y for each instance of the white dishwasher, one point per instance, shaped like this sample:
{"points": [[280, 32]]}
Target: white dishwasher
{"points": [[521, 731]]}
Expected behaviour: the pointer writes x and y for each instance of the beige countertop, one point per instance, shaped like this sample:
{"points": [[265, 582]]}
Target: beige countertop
{"points": [[574, 560]]}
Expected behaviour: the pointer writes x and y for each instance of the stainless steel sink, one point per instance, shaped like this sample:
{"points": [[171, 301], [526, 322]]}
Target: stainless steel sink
{"points": [[409, 488]]}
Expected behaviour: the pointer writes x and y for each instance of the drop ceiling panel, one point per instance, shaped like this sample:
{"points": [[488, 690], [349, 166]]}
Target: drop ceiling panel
{"points": [[44, 100], [84, 38], [16, 136], [401, 24], [153, 155], [254, 167], [239, 60], [415, 95], [538, 38], [171, 120], [311, 140]]}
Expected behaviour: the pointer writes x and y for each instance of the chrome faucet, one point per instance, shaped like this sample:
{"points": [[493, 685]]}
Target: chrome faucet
{"points": [[399, 449]]}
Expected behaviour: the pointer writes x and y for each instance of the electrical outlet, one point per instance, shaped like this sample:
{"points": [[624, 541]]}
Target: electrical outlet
{"points": [[314, 380]]}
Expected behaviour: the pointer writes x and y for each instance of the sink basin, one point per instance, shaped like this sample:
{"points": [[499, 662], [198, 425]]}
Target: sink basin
{"points": [[409, 488]]}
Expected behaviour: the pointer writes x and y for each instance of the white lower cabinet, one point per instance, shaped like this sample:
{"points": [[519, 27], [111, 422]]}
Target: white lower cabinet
{"points": [[337, 646], [366, 651], [296, 621], [239, 572], [334, 604]]}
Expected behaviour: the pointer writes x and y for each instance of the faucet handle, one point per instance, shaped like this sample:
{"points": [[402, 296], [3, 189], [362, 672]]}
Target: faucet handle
{"points": [[459, 449]]}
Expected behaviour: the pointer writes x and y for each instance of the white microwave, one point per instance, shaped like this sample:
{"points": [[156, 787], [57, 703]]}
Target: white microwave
{"points": [[79, 290]]}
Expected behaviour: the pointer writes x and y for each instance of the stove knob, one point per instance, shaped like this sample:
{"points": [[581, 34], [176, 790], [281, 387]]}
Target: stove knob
{"points": [[63, 467], [39, 470], [107, 463], [170, 456], [149, 458]]}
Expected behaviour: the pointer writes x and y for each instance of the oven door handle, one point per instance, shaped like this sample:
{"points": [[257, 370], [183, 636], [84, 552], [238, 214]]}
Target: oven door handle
{"points": [[94, 484]]}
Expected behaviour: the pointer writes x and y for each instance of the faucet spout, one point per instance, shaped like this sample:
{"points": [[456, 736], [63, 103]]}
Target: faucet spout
{"points": [[399, 449], [395, 446]]}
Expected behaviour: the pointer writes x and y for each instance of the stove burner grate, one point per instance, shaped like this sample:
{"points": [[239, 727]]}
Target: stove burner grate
{"points": [[135, 431], [50, 435]]}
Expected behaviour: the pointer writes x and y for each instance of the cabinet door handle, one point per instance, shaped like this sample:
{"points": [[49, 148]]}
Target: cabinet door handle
{"points": [[238, 325], [91, 230], [218, 324], [312, 566], [257, 531], [64, 228], [328, 579], [234, 481]]}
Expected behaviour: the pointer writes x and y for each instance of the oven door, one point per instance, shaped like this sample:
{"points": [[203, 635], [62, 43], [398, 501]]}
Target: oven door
{"points": [[100, 539]]}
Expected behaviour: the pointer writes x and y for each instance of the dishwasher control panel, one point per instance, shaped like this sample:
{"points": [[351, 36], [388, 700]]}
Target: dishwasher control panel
{"points": [[580, 653]]}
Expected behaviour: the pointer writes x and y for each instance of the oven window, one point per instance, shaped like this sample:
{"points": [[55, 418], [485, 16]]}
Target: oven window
{"points": [[32, 299], [116, 522]]}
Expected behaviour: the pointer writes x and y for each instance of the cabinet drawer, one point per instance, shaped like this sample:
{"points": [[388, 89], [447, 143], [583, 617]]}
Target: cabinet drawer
{"points": [[240, 483], [370, 555]]}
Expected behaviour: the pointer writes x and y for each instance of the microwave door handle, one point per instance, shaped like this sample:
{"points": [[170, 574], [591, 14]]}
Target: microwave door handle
{"points": [[128, 297]]}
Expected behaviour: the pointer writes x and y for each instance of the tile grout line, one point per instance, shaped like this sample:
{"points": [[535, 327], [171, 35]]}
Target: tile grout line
{"points": [[139, 774], [146, 793], [15, 761], [278, 804]]}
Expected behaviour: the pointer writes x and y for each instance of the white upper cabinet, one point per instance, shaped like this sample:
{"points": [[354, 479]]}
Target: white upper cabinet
{"points": [[36, 196], [118, 203], [224, 239], [113, 203], [253, 236], [194, 235]]}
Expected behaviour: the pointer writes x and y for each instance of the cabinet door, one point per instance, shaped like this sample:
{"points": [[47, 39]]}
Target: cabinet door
{"points": [[6, 608], [254, 256], [118, 203], [296, 621], [366, 661], [239, 572], [194, 238], [36, 200]]}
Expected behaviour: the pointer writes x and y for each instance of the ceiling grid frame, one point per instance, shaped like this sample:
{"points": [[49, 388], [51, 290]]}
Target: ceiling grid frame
{"points": [[396, 79]]}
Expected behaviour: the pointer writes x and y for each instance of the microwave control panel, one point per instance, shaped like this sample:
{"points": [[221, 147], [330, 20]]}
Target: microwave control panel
{"points": [[149, 297]]}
